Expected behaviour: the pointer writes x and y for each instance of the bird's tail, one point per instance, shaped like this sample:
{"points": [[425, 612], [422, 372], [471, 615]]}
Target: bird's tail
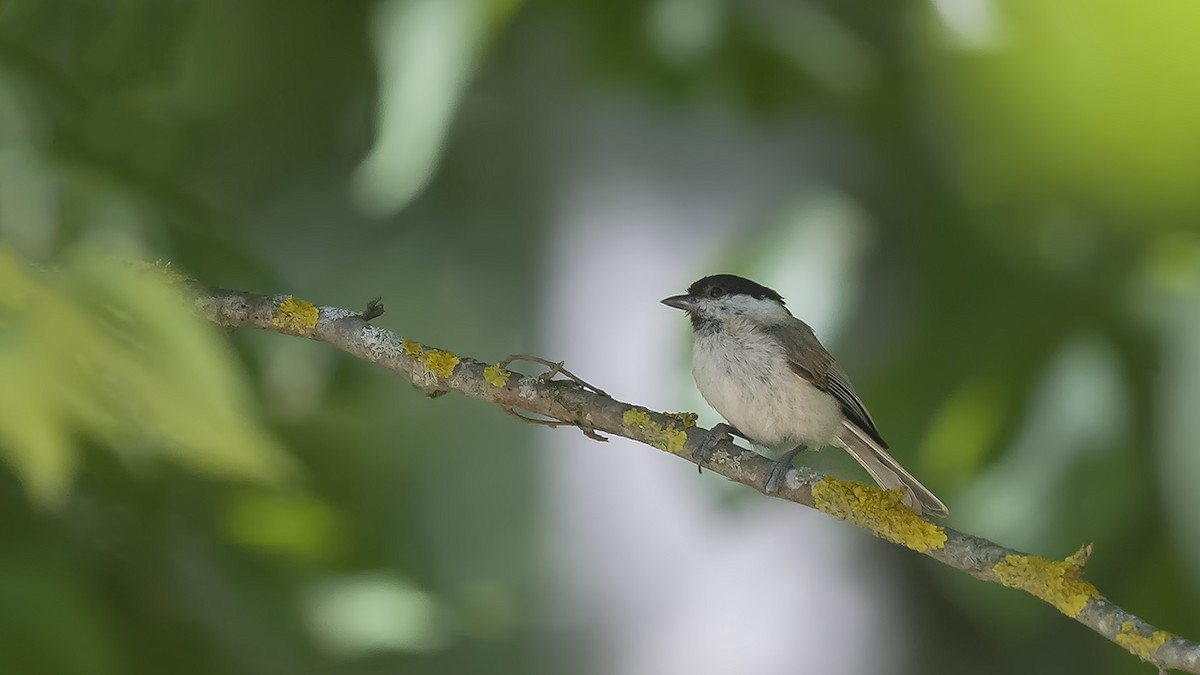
{"points": [[887, 471]]}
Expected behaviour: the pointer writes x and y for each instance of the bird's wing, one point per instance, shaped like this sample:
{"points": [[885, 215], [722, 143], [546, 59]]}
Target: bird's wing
{"points": [[809, 359]]}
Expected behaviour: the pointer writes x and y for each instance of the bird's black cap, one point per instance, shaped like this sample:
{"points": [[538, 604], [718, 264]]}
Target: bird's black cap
{"points": [[731, 284]]}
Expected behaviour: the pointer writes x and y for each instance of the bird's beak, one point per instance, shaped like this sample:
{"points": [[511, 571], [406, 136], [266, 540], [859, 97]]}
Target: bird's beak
{"points": [[683, 302]]}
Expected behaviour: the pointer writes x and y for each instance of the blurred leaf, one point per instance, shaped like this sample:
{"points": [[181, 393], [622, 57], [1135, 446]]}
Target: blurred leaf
{"points": [[426, 51], [101, 351], [290, 524], [1095, 98], [373, 612], [964, 431]]}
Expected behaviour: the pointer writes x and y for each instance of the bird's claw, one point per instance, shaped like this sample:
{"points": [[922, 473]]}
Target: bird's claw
{"points": [[779, 470], [708, 446]]}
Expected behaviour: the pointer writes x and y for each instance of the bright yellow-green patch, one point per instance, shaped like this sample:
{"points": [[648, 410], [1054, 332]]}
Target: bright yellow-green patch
{"points": [[880, 511], [670, 438], [285, 523], [411, 347], [440, 363], [1142, 646], [496, 376], [295, 315], [108, 355], [1058, 582]]}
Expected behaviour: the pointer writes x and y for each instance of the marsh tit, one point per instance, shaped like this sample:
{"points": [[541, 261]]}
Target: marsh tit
{"points": [[766, 373]]}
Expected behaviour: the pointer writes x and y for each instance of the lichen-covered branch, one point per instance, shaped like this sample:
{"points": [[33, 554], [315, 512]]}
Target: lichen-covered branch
{"points": [[569, 401]]}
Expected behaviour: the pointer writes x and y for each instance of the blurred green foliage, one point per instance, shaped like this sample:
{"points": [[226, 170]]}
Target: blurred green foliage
{"points": [[1027, 307], [110, 354]]}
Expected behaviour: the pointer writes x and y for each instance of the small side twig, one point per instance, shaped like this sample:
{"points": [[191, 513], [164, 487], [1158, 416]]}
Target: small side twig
{"points": [[553, 423], [374, 309], [555, 368]]}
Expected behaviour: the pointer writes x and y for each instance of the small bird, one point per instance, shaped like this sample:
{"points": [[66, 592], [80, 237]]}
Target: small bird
{"points": [[766, 373]]}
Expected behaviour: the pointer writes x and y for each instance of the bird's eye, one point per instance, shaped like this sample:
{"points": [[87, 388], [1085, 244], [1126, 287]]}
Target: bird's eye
{"points": [[716, 292]]}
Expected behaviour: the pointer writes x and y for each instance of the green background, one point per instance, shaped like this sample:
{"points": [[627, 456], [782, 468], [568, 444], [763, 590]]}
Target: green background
{"points": [[1026, 323]]}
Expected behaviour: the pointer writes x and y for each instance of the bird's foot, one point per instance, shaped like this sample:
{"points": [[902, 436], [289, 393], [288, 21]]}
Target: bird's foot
{"points": [[703, 453], [779, 470]]}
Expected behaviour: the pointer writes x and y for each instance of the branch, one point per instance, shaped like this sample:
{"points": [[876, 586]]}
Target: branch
{"points": [[573, 402]]}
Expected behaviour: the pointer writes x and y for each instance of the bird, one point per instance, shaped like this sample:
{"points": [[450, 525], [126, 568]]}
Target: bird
{"points": [[766, 373]]}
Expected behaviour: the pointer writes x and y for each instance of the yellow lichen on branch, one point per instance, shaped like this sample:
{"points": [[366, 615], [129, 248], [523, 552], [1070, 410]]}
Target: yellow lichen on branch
{"points": [[1142, 646], [671, 438], [496, 375], [411, 347], [440, 363], [1058, 582], [296, 316], [437, 361], [881, 511]]}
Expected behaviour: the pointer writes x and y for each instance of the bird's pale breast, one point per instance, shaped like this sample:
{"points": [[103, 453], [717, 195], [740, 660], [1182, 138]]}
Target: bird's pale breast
{"points": [[744, 376]]}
